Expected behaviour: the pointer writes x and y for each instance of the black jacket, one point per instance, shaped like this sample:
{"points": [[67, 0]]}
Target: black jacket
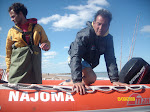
{"points": [[89, 47]]}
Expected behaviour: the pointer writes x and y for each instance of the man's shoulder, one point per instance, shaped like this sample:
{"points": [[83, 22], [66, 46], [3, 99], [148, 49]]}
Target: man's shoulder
{"points": [[37, 25], [109, 36], [12, 30], [85, 32]]}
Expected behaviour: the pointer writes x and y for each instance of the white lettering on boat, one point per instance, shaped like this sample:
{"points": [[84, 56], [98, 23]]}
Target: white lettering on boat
{"points": [[34, 99], [46, 98], [42, 96], [24, 96]]}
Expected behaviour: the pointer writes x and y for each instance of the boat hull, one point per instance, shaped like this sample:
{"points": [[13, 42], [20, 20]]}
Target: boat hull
{"points": [[45, 100]]}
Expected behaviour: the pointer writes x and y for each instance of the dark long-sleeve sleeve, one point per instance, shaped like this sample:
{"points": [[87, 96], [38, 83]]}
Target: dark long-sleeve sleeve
{"points": [[78, 49], [110, 60]]}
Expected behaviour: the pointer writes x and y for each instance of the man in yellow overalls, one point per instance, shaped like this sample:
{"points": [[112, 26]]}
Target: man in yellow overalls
{"points": [[23, 52]]}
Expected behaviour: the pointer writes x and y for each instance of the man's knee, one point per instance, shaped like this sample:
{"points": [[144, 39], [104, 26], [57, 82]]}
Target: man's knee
{"points": [[89, 75], [89, 81], [92, 79]]}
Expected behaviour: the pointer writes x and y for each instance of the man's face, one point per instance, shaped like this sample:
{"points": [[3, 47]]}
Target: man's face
{"points": [[101, 25], [16, 18]]}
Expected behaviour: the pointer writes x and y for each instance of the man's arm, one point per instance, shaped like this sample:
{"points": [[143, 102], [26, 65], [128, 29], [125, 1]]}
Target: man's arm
{"points": [[111, 64], [45, 43], [9, 43], [78, 49], [110, 60]]}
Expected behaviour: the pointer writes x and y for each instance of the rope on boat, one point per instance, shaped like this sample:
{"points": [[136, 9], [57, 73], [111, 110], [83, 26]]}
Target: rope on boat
{"points": [[118, 88], [69, 88], [28, 86]]}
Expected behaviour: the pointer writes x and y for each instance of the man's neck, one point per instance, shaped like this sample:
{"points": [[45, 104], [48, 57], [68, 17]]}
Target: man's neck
{"points": [[22, 22]]}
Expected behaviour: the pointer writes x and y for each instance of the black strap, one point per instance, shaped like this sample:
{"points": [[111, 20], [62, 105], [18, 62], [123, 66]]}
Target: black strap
{"points": [[23, 33], [31, 38], [14, 27], [26, 33]]}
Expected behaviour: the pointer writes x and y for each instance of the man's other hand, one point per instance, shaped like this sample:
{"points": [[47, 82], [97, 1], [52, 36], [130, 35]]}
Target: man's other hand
{"points": [[80, 88], [45, 46], [119, 84]]}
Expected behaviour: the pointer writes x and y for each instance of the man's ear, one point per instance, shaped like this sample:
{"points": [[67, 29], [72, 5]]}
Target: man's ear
{"points": [[20, 13]]}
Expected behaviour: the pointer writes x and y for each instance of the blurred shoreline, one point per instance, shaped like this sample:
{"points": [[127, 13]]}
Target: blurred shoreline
{"points": [[56, 76], [65, 76], [59, 76]]}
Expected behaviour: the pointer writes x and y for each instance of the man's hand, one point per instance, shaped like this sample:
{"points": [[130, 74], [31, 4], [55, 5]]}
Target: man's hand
{"points": [[45, 46], [80, 88], [119, 84]]}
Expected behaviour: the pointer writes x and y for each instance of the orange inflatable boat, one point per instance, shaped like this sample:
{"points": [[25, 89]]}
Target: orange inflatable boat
{"points": [[49, 96]]}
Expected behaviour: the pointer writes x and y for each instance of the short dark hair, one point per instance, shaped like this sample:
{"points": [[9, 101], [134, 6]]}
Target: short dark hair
{"points": [[17, 7], [104, 13]]}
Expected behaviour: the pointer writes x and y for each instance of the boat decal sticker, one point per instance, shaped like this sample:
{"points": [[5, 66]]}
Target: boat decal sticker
{"points": [[40, 96], [139, 100], [126, 98]]}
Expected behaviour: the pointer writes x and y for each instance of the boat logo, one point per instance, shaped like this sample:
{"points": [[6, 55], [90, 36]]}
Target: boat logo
{"points": [[39, 96], [138, 100]]}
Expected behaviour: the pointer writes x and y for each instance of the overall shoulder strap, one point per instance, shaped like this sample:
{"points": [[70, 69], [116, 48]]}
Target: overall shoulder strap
{"points": [[23, 33], [31, 38], [19, 30], [26, 33]]}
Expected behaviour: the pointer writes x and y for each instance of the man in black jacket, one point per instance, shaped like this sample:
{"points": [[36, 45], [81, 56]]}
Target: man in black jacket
{"points": [[90, 43]]}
